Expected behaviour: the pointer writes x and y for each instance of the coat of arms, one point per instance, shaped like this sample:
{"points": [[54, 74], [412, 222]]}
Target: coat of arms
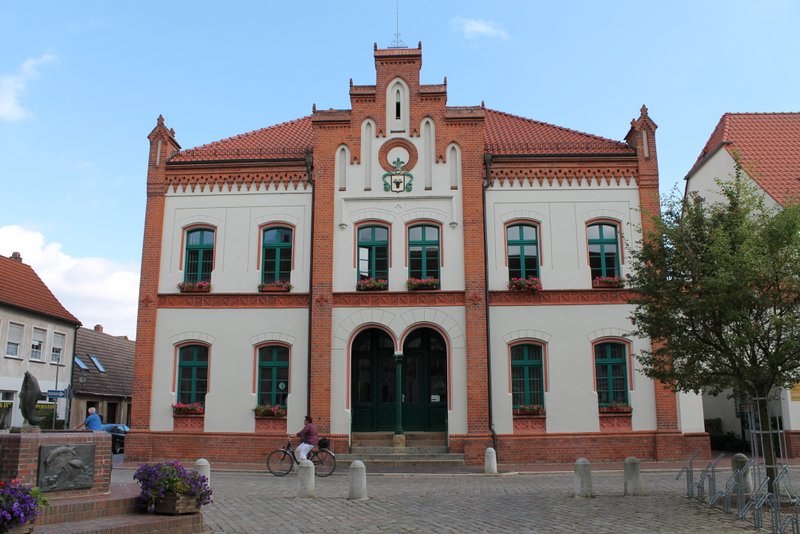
{"points": [[397, 180]]}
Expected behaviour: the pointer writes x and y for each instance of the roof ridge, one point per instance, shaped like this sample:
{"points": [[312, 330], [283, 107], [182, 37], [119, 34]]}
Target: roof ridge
{"points": [[562, 128], [242, 135]]}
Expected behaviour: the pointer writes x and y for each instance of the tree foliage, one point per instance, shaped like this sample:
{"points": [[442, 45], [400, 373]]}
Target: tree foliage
{"points": [[718, 290]]}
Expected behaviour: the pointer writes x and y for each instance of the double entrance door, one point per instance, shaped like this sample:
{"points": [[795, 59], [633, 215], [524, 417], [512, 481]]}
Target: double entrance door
{"points": [[423, 382]]}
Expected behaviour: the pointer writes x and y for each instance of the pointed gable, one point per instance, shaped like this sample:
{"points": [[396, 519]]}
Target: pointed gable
{"points": [[288, 139], [21, 287], [768, 145], [511, 134]]}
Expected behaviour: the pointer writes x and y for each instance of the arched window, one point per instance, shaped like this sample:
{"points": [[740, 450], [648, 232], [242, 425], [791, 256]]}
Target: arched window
{"points": [[373, 252], [273, 375], [603, 243], [199, 255], [527, 375], [522, 242], [276, 257], [423, 251], [192, 374], [611, 373]]}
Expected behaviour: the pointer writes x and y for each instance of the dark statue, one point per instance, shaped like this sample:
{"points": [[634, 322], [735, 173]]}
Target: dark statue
{"points": [[29, 395]]}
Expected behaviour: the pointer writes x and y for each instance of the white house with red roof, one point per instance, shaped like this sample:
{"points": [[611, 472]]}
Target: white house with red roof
{"points": [[768, 147], [401, 270], [37, 334]]}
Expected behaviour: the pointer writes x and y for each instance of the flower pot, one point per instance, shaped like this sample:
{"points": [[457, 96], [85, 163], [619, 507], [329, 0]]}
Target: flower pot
{"points": [[274, 288], [174, 503]]}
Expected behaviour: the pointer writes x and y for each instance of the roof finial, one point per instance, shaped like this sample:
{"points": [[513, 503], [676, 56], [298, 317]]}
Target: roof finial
{"points": [[397, 43]]}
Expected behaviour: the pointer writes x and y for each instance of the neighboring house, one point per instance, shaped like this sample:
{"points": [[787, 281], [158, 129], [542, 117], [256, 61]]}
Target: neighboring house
{"points": [[102, 373], [768, 147], [37, 334], [282, 266]]}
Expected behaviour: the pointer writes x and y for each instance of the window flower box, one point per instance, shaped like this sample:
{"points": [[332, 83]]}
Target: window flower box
{"points": [[616, 407], [194, 287], [422, 284], [525, 285], [194, 408], [529, 409], [372, 284], [275, 287], [268, 410], [608, 282]]}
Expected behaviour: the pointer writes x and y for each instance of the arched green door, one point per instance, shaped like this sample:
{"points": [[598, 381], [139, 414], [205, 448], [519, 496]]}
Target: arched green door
{"points": [[373, 383], [425, 381]]}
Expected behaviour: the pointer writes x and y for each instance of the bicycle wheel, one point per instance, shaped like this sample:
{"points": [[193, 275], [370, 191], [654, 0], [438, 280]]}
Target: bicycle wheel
{"points": [[324, 463], [279, 463]]}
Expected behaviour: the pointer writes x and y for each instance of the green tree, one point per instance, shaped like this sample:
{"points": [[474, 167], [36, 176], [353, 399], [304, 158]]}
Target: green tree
{"points": [[718, 290]]}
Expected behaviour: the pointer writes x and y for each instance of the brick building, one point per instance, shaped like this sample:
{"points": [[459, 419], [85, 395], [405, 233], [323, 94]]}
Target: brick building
{"points": [[372, 266]]}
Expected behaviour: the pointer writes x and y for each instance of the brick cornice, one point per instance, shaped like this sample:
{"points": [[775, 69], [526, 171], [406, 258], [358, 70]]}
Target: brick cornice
{"points": [[560, 297], [386, 299], [233, 300]]}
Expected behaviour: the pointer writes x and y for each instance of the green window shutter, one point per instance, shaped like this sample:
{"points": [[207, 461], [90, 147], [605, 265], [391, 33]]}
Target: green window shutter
{"points": [[423, 252], [611, 373], [527, 375], [273, 375], [276, 258], [192, 374], [603, 250], [522, 242]]}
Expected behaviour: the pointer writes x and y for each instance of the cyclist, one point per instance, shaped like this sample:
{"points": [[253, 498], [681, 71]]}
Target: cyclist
{"points": [[308, 438]]}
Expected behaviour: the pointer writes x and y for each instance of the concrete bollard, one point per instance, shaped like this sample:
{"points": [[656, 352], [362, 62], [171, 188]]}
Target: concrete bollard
{"points": [[583, 478], [633, 477], [490, 462], [305, 479], [738, 461], [358, 481], [202, 467]]}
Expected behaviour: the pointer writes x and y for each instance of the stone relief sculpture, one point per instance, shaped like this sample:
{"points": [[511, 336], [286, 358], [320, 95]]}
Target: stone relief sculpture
{"points": [[29, 395], [63, 467]]}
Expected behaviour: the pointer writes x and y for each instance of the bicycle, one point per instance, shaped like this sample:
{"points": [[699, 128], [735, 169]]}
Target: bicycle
{"points": [[281, 461]]}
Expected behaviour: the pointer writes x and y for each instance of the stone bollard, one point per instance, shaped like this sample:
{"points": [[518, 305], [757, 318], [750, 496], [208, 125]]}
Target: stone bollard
{"points": [[633, 477], [358, 481], [737, 462], [583, 478], [305, 479], [490, 462], [202, 467]]}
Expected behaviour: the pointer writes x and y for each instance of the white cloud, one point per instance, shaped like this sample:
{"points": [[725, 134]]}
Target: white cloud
{"points": [[477, 28], [13, 85], [95, 290]]}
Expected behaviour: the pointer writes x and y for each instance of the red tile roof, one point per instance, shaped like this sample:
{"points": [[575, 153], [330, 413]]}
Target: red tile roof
{"points": [[21, 287], [286, 140], [504, 134], [510, 134], [768, 145]]}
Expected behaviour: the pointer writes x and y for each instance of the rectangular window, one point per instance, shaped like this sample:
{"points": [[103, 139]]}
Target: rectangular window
{"points": [[522, 251], [277, 255], [199, 256], [611, 373], [193, 374], [373, 253], [423, 252], [273, 375], [37, 343], [58, 348], [14, 339], [603, 250], [527, 375]]}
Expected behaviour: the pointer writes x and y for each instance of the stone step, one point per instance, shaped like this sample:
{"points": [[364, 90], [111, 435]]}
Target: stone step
{"points": [[431, 449]]}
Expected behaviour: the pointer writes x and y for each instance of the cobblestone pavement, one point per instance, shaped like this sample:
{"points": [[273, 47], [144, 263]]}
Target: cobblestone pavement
{"points": [[247, 502]]}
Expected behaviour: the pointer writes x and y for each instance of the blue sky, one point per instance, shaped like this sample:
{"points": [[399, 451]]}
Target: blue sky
{"points": [[81, 85]]}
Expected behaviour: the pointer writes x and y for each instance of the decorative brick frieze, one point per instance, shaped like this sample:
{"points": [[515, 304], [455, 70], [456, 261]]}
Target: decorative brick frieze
{"points": [[233, 300], [389, 299], [560, 297]]}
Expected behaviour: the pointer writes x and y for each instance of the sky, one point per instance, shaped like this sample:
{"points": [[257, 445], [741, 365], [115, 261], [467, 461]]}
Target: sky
{"points": [[82, 83]]}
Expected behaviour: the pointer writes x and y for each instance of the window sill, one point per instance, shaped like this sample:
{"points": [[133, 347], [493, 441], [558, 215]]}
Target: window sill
{"points": [[37, 361], [364, 290], [195, 290], [10, 357], [274, 289]]}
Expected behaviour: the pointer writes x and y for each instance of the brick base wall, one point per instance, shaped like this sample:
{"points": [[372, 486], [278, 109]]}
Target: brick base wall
{"points": [[143, 446], [19, 458]]}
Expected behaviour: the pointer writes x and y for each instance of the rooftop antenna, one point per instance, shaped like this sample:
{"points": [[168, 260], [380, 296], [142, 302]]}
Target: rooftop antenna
{"points": [[397, 43]]}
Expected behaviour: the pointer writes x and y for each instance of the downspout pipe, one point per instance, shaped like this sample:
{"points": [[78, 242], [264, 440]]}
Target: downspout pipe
{"points": [[487, 160], [309, 160]]}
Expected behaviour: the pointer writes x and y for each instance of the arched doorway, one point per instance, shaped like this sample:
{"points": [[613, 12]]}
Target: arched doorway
{"points": [[374, 382]]}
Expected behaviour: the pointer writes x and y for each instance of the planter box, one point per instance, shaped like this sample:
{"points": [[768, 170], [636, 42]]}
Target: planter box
{"points": [[600, 284], [195, 289], [274, 289], [27, 528], [424, 288], [269, 425], [189, 423], [174, 504], [615, 422], [530, 424]]}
